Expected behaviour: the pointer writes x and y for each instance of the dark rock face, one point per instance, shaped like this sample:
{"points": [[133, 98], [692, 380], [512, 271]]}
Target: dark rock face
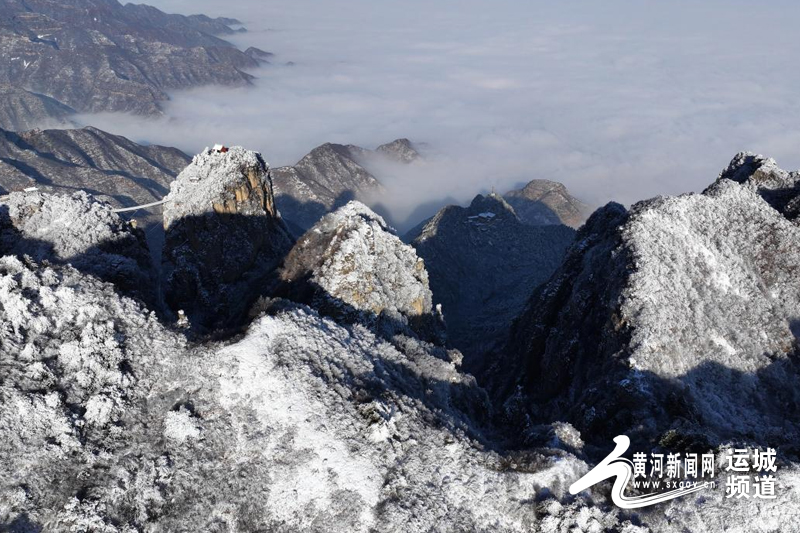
{"points": [[82, 231], [543, 202], [224, 238], [484, 263], [674, 322], [98, 55], [351, 266], [327, 178]]}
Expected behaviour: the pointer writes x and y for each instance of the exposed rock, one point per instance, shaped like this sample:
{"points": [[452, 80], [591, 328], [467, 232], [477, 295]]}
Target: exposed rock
{"points": [[543, 202], [224, 237], [98, 55], [350, 265], [484, 264], [676, 319], [82, 231]]}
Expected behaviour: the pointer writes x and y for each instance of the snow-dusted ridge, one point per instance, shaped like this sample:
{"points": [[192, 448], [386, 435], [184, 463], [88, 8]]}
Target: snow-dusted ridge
{"points": [[676, 319]]}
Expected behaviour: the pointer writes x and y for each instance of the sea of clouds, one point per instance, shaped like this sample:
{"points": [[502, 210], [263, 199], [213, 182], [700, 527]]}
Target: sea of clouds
{"points": [[620, 100]]}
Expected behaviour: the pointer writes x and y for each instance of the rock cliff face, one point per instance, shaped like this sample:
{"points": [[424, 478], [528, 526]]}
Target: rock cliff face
{"points": [[351, 266], [100, 55], [484, 263], [224, 237], [543, 202], [674, 322], [82, 231]]}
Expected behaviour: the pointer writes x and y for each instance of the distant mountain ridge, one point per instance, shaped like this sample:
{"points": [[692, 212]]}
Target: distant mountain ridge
{"points": [[108, 166], [100, 55], [543, 202], [330, 176], [483, 264]]}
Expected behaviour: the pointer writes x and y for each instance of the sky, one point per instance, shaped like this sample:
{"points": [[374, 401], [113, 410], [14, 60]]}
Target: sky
{"points": [[619, 100]]}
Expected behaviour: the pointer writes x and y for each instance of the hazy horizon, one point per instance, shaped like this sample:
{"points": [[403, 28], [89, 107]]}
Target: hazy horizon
{"points": [[620, 101]]}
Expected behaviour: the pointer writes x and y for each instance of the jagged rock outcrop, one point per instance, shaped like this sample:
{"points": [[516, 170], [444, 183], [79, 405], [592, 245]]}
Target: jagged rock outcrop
{"points": [[224, 237], [483, 264], [80, 230], [543, 202], [350, 265], [674, 322], [325, 179], [100, 55]]}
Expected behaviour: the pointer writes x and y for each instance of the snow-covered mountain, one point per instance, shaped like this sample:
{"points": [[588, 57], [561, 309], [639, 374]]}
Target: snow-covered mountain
{"points": [[315, 420], [674, 322], [351, 265], [80, 230]]}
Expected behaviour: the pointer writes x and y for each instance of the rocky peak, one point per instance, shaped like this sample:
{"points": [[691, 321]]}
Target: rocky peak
{"points": [[224, 236], [351, 264], [400, 150], [80, 230], [547, 202], [491, 207], [781, 189], [234, 182]]}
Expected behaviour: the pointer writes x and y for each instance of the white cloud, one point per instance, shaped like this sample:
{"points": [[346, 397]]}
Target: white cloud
{"points": [[617, 99]]}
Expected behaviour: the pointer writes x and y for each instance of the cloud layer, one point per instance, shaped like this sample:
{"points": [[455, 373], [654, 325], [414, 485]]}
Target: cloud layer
{"points": [[618, 100]]}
